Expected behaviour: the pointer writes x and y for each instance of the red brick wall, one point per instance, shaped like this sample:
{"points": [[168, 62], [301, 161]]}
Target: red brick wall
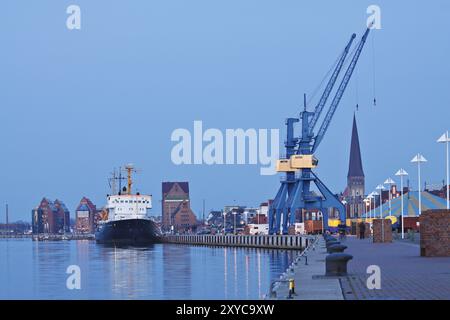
{"points": [[380, 225], [411, 223], [185, 218], [168, 207], [435, 233], [313, 226], [367, 232]]}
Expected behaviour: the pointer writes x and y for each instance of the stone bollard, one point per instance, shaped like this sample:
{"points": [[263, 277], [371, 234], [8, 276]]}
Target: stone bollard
{"points": [[331, 243], [336, 264], [336, 248]]}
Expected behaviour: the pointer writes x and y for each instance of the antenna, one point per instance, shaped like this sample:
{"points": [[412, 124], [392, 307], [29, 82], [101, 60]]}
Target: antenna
{"points": [[120, 179], [112, 181]]}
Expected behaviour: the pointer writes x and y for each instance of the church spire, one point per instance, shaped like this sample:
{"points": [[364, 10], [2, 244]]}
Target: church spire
{"points": [[355, 168]]}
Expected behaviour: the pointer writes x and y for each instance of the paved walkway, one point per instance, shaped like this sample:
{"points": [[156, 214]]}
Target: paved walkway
{"points": [[309, 281], [404, 274]]}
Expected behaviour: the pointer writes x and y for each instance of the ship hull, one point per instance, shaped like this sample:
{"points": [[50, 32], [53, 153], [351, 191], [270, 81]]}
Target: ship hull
{"points": [[128, 232]]}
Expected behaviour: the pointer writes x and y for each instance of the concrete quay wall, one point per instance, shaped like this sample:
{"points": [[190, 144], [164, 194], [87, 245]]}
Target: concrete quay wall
{"points": [[292, 242]]}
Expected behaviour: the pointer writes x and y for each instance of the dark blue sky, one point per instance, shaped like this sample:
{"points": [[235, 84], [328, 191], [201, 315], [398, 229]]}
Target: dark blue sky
{"points": [[75, 104]]}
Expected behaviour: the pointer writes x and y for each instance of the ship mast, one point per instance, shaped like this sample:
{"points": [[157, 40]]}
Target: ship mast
{"points": [[129, 168], [113, 179]]}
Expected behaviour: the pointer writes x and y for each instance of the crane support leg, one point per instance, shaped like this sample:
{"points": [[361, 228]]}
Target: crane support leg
{"points": [[277, 208], [330, 201], [285, 220], [294, 201]]}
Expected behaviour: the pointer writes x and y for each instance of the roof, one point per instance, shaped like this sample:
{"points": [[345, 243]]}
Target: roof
{"points": [[166, 186], [355, 168], [59, 203], [410, 205], [50, 203], [88, 203], [83, 207]]}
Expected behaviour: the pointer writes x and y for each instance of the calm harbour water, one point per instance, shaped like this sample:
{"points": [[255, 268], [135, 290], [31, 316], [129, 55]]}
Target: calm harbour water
{"points": [[37, 270]]}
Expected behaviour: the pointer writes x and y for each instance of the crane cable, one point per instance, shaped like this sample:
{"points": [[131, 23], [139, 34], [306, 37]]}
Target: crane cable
{"points": [[316, 90], [373, 71], [327, 75], [330, 70], [357, 88]]}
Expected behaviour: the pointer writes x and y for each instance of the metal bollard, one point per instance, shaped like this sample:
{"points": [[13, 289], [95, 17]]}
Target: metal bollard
{"points": [[336, 264], [331, 243], [336, 248]]}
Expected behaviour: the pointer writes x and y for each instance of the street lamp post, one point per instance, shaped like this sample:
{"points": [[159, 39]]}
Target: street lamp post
{"points": [[370, 197], [401, 173], [419, 159], [372, 210], [224, 221], [374, 194], [366, 204], [234, 230], [390, 182], [381, 188], [446, 139]]}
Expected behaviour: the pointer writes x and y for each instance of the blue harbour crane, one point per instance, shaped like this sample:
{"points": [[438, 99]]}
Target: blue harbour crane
{"points": [[294, 194]]}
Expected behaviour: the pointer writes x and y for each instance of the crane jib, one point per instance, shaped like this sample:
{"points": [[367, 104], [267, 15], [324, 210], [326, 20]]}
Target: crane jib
{"points": [[330, 85], [340, 92]]}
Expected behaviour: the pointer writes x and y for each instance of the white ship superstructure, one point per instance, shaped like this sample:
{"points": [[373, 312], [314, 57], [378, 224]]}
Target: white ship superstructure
{"points": [[122, 207], [126, 217]]}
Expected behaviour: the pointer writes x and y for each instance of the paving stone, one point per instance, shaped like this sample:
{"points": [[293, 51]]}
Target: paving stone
{"points": [[404, 273]]}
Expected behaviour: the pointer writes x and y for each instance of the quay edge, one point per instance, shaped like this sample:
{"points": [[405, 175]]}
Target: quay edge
{"points": [[288, 242]]}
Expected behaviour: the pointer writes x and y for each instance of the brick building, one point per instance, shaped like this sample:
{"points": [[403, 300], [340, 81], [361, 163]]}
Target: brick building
{"points": [[50, 217], [176, 207], [85, 216]]}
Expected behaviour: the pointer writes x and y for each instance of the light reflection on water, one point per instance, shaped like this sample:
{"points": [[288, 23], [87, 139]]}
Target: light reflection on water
{"points": [[37, 270]]}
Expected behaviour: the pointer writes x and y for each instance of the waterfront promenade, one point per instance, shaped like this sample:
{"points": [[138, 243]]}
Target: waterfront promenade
{"points": [[404, 273]]}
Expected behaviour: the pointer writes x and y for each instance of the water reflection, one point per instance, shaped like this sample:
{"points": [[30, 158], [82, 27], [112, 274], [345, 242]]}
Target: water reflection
{"points": [[176, 266], [37, 270]]}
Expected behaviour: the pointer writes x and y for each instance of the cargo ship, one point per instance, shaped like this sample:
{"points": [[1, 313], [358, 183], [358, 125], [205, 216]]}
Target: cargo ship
{"points": [[125, 219]]}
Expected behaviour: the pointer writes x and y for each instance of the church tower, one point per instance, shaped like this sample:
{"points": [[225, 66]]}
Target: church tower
{"points": [[354, 194]]}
